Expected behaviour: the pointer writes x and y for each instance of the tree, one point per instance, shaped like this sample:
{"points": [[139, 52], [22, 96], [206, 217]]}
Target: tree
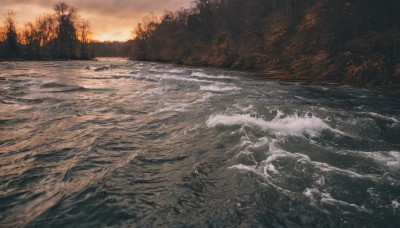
{"points": [[2, 35], [66, 30], [58, 35], [84, 33], [29, 36], [39, 37], [11, 37]]}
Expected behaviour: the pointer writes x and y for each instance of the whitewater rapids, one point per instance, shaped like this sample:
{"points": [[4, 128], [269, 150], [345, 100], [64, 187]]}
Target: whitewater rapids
{"points": [[123, 143]]}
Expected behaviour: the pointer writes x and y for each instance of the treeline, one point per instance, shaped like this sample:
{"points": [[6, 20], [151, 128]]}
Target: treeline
{"points": [[355, 41], [62, 35]]}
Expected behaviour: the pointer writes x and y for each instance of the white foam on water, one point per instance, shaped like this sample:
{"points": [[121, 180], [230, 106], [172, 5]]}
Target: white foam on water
{"points": [[389, 159], [177, 107], [201, 75], [135, 76], [151, 92], [245, 109], [271, 167], [377, 115], [254, 170], [204, 75], [219, 87], [181, 78], [266, 168], [159, 77], [172, 71], [290, 125], [205, 97], [8, 63], [324, 167], [309, 192], [395, 205], [49, 64], [316, 196], [182, 105], [321, 181], [175, 71], [319, 192], [99, 68]]}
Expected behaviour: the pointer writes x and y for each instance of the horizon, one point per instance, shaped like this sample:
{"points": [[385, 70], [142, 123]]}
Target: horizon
{"points": [[112, 20]]}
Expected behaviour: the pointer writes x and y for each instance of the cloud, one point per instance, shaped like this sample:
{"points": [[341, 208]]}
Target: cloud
{"points": [[110, 19]]}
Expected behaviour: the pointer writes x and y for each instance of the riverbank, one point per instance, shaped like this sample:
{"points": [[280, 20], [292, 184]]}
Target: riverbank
{"points": [[334, 41]]}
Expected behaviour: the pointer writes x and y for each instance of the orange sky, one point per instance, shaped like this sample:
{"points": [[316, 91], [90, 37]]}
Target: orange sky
{"points": [[110, 19]]}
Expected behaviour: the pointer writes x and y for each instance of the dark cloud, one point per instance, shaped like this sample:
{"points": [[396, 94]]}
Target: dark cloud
{"points": [[112, 18]]}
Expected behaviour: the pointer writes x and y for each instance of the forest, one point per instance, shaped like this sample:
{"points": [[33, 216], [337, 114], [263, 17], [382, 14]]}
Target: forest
{"points": [[345, 41], [353, 42], [62, 35]]}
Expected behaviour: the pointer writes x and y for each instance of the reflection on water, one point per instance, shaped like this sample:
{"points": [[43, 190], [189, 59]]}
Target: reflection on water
{"points": [[122, 143]]}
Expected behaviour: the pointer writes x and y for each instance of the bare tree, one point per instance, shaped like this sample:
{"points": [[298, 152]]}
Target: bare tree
{"points": [[58, 35], [66, 30], [84, 34], [29, 36], [39, 37]]}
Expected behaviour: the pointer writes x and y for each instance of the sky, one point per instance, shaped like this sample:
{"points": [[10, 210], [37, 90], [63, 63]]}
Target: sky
{"points": [[111, 20]]}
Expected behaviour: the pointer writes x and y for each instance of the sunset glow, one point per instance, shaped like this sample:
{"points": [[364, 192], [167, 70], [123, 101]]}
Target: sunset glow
{"points": [[111, 20]]}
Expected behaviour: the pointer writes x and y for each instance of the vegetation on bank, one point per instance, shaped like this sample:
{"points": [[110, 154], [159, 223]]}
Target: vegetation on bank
{"points": [[62, 35], [346, 41], [350, 41]]}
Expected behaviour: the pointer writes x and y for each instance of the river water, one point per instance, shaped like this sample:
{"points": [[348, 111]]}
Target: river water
{"points": [[122, 143]]}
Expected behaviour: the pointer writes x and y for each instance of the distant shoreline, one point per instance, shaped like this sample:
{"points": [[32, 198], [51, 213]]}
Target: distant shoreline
{"points": [[262, 74], [43, 59]]}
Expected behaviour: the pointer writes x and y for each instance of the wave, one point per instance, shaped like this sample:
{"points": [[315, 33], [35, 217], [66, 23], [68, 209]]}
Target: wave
{"points": [[49, 65], [377, 115], [310, 126], [135, 76], [204, 75], [173, 107], [395, 204], [219, 87], [389, 159], [159, 77], [172, 71], [326, 198], [175, 71], [99, 68], [279, 167], [205, 97], [183, 105]]}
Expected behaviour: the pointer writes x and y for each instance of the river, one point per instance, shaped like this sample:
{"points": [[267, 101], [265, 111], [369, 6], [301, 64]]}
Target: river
{"points": [[122, 143]]}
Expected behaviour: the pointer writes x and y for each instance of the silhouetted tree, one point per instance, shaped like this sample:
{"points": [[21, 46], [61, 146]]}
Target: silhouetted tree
{"points": [[66, 30], [11, 37], [30, 39], [84, 34], [59, 35], [39, 37]]}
